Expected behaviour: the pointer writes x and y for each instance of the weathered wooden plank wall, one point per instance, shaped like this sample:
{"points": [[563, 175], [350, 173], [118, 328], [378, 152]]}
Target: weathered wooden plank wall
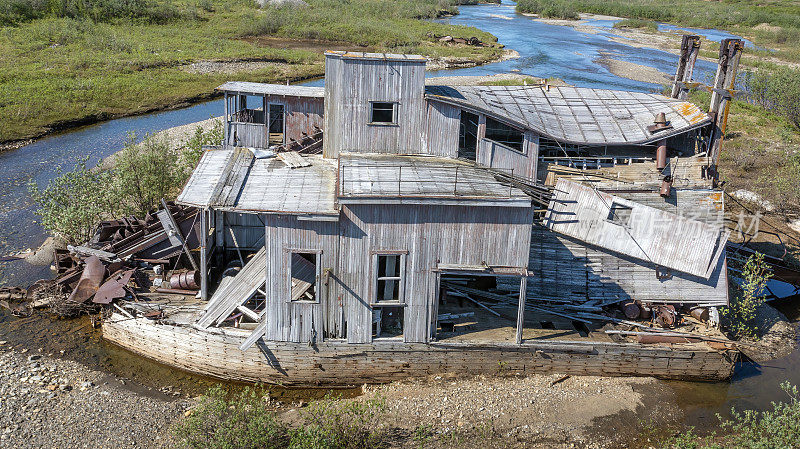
{"points": [[492, 154], [248, 229], [444, 121], [301, 115], [351, 84], [297, 321], [431, 235]]}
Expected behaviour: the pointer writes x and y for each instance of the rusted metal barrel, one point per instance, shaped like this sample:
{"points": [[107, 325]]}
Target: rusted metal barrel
{"points": [[661, 155], [189, 280], [630, 309], [699, 313], [666, 186]]}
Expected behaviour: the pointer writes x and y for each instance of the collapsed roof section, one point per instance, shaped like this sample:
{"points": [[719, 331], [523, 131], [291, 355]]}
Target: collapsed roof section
{"points": [[577, 115], [651, 235]]}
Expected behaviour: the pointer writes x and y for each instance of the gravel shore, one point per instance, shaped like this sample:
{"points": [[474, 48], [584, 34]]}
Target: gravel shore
{"points": [[47, 402]]}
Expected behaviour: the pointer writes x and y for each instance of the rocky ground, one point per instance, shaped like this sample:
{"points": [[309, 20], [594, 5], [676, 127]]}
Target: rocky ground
{"points": [[47, 402]]}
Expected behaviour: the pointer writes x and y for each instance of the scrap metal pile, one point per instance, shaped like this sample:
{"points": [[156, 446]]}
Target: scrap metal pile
{"points": [[125, 256]]}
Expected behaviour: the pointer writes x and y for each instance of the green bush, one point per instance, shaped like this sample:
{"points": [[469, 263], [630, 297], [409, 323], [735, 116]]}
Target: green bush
{"points": [[333, 424], [741, 313], [193, 147], [244, 421], [775, 429], [146, 172], [776, 89], [74, 202]]}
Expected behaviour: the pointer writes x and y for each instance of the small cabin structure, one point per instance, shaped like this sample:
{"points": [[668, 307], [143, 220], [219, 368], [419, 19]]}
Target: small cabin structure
{"points": [[343, 213]]}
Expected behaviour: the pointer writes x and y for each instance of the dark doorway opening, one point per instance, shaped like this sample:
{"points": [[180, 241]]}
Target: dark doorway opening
{"points": [[468, 136]]}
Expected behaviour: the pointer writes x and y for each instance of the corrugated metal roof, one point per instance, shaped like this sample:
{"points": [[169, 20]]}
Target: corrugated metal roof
{"points": [[575, 114], [232, 179], [643, 232], [382, 177], [376, 56], [272, 89]]}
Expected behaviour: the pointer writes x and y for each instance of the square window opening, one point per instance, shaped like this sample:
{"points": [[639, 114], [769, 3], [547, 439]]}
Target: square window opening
{"points": [[387, 322], [620, 214], [504, 135], [304, 276], [383, 112], [388, 282]]}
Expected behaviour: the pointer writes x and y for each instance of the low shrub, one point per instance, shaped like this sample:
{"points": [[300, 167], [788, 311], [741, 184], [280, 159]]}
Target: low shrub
{"points": [[739, 316], [145, 172], [776, 89], [246, 421], [243, 421], [333, 424], [72, 203], [776, 428]]}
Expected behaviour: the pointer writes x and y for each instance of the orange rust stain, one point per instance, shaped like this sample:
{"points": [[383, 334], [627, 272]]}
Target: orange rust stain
{"points": [[691, 112]]}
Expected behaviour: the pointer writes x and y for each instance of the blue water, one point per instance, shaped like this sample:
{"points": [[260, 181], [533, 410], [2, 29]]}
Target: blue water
{"points": [[710, 34], [561, 51]]}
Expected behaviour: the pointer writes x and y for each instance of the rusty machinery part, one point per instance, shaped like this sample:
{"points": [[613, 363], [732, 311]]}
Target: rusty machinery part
{"points": [[665, 315]]}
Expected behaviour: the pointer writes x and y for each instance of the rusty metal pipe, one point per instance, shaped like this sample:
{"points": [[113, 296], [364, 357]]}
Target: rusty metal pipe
{"points": [[661, 155]]}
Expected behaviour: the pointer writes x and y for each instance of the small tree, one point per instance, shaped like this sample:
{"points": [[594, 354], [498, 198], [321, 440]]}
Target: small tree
{"points": [[145, 172], [74, 202], [193, 148], [741, 312]]}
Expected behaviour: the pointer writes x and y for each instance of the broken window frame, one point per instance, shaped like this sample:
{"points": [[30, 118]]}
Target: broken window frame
{"points": [[376, 255], [395, 108], [505, 143], [317, 275], [242, 114]]}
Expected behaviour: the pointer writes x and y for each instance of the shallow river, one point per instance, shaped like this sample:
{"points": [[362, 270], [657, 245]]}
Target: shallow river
{"points": [[545, 51]]}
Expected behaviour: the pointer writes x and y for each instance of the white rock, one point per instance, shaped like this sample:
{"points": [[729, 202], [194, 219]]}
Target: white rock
{"points": [[752, 197], [795, 225]]}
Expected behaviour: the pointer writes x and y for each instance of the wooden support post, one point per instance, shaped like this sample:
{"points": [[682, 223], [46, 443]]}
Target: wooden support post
{"points": [[523, 288], [204, 254], [730, 51], [690, 48]]}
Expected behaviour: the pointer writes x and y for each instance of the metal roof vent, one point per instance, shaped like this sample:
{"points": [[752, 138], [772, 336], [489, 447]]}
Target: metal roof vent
{"points": [[659, 124]]}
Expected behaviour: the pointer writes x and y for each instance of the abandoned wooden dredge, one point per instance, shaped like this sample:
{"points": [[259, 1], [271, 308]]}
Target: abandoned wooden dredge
{"points": [[380, 227]]}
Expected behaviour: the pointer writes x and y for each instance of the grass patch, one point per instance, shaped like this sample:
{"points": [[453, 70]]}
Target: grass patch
{"points": [[648, 25], [61, 67], [552, 9]]}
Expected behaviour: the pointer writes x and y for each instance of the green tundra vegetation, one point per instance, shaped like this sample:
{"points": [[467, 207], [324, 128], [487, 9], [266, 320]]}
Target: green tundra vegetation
{"points": [[66, 62]]}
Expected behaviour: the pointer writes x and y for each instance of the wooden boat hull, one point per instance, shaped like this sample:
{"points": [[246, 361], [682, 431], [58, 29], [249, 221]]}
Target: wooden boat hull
{"points": [[215, 352]]}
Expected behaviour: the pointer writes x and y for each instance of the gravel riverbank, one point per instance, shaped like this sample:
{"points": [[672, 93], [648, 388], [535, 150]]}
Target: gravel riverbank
{"points": [[47, 402]]}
